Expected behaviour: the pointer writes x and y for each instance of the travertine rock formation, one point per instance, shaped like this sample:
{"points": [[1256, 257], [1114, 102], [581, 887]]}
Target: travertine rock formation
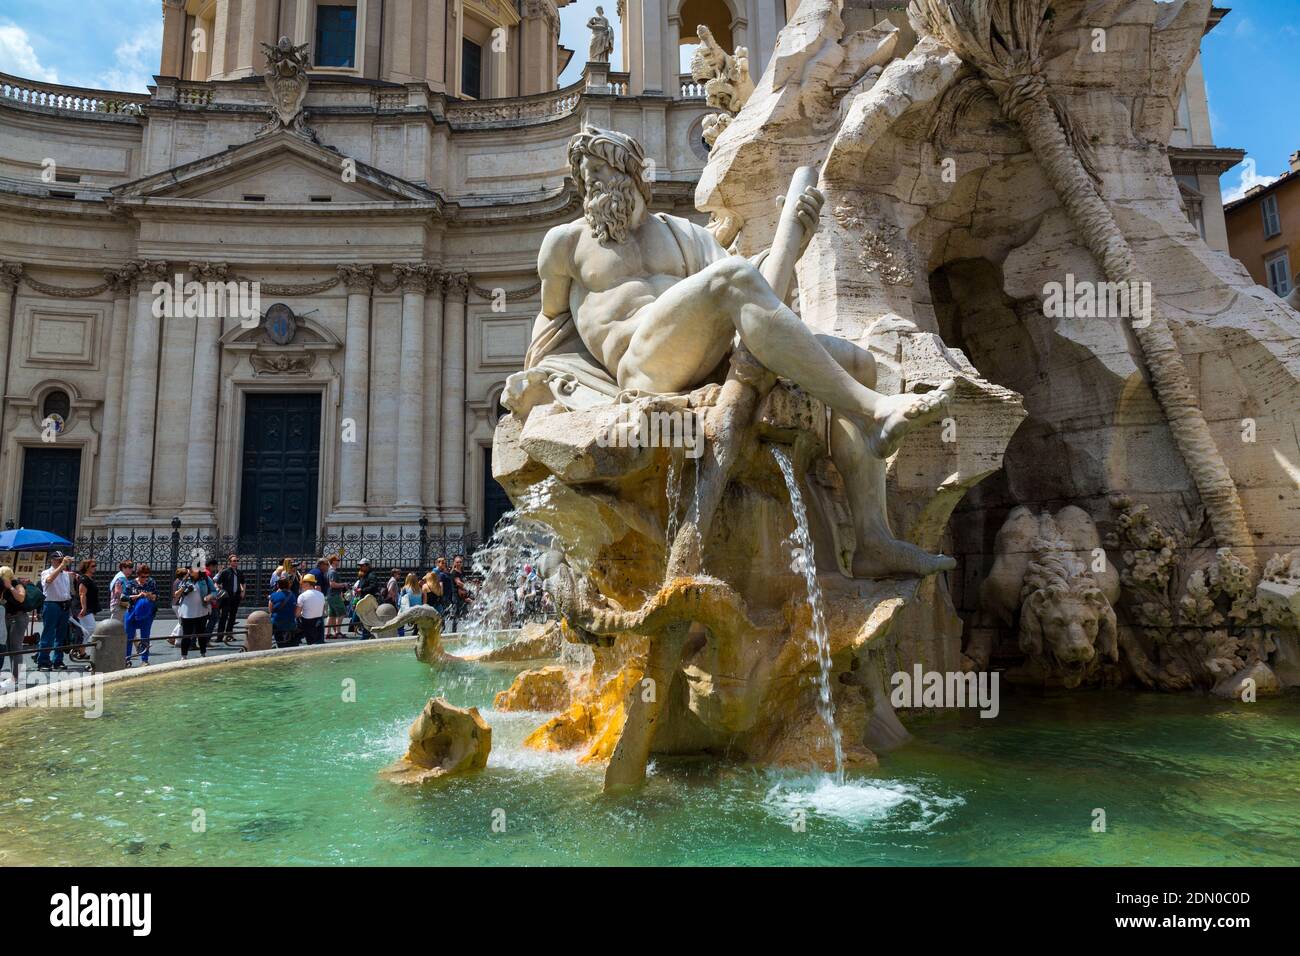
{"points": [[445, 740], [546, 688], [970, 182]]}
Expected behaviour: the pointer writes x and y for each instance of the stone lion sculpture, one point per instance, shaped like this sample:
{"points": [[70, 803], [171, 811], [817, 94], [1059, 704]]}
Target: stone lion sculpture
{"points": [[1051, 575]]}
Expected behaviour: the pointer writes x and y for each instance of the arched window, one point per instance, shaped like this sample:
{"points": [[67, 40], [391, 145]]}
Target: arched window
{"points": [[58, 403], [713, 14]]}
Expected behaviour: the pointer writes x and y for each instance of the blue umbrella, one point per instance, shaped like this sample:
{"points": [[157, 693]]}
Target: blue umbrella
{"points": [[27, 539]]}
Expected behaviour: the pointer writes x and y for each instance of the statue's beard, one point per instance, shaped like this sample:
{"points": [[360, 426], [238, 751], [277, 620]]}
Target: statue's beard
{"points": [[609, 209]]}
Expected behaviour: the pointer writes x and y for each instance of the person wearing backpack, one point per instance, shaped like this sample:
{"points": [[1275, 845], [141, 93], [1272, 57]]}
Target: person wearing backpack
{"points": [[13, 595], [141, 595]]}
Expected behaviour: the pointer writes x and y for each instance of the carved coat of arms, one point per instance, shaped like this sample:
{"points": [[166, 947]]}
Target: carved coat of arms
{"points": [[286, 80]]}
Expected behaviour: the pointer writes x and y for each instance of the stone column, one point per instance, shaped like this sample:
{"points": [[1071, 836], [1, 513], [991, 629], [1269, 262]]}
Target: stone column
{"points": [[414, 280], [453, 398], [538, 33], [175, 41], [107, 490], [354, 406], [141, 394], [432, 411], [10, 274], [200, 460]]}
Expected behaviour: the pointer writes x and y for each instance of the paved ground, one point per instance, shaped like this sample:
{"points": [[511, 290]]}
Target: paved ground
{"points": [[160, 651]]}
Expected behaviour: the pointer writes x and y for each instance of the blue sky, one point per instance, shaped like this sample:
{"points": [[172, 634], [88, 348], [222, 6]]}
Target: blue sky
{"points": [[1252, 63]]}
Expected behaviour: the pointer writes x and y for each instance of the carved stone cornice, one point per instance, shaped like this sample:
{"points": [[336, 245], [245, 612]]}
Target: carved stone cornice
{"points": [[357, 278], [151, 270], [413, 276], [457, 284], [122, 281], [10, 274], [210, 271]]}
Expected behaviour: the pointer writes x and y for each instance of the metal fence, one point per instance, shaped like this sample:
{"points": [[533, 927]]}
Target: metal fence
{"points": [[260, 554]]}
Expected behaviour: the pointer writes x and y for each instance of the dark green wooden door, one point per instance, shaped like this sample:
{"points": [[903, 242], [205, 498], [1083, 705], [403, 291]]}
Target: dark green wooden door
{"points": [[281, 467], [51, 477]]}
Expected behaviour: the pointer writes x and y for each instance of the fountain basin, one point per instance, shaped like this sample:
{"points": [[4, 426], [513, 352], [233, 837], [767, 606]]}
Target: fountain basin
{"points": [[284, 770]]}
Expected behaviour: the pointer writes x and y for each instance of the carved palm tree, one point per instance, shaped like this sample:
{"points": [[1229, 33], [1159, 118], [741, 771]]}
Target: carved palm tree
{"points": [[1002, 40]]}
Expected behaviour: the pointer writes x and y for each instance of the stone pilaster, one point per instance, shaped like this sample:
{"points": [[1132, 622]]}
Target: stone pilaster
{"points": [[452, 486], [538, 35], [121, 283], [10, 274], [200, 461], [414, 281], [432, 411], [354, 406], [136, 448]]}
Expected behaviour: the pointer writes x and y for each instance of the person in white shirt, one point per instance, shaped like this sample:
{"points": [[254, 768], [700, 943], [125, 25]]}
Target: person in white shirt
{"points": [[56, 582], [311, 610]]}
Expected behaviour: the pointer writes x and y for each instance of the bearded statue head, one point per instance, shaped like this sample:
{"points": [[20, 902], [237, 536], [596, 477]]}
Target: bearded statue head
{"points": [[610, 170]]}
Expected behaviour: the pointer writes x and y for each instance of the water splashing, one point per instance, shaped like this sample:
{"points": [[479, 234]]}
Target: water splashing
{"points": [[519, 538], [801, 538]]}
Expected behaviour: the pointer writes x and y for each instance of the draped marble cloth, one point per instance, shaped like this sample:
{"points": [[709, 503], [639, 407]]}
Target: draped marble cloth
{"points": [[557, 346]]}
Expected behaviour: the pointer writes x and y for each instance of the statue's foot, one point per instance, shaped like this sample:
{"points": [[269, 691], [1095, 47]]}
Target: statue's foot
{"points": [[896, 415], [892, 558]]}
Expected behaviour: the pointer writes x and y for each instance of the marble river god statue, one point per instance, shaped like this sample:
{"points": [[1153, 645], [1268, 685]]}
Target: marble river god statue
{"points": [[697, 597]]}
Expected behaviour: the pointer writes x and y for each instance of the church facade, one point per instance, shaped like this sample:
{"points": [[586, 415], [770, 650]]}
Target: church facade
{"points": [[280, 293]]}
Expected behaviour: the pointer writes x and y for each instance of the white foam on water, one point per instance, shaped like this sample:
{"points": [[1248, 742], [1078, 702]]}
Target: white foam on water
{"points": [[861, 804]]}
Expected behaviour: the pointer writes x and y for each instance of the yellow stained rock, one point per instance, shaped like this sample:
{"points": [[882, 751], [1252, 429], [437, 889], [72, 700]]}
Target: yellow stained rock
{"points": [[546, 688]]}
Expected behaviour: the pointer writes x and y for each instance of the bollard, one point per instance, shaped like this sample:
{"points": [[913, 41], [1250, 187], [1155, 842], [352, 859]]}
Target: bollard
{"points": [[110, 654], [257, 636]]}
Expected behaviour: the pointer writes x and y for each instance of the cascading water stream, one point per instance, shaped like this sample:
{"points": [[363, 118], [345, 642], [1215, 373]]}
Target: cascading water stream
{"points": [[519, 538], [802, 540], [673, 489]]}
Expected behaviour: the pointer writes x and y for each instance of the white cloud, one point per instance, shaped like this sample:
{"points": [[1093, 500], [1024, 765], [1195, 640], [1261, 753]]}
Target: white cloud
{"points": [[1250, 178], [135, 62], [18, 58], [1245, 28]]}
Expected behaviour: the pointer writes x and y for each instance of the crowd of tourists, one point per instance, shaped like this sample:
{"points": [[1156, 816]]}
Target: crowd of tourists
{"points": [[306, 605]]}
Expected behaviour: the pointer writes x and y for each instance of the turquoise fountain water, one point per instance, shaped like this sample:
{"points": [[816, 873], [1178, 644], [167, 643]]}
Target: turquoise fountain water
{"points": [[283, 769]]}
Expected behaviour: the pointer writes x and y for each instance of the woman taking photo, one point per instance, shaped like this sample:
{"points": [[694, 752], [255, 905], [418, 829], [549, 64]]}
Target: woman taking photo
{"points": [[192, 599], [12, 596], [141, 595]]}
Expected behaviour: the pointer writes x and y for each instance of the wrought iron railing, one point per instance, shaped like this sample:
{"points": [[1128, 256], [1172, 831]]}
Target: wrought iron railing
{"points": [[259, 554]]}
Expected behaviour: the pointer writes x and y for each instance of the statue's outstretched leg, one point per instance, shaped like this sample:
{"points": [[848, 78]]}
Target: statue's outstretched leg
{"points": [[878, 552]]}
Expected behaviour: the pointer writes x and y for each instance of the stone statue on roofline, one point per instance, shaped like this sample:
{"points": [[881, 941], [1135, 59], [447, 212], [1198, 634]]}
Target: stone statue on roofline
{"points": [[602, 38]]}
